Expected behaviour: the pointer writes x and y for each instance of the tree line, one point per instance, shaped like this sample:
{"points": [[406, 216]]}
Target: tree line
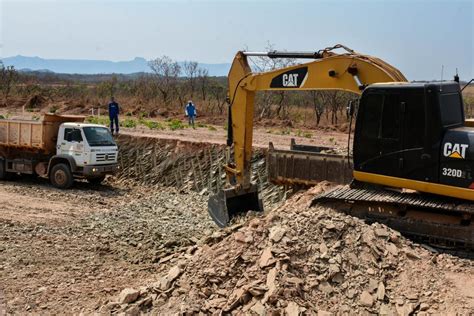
{"points": [[168, 86]]}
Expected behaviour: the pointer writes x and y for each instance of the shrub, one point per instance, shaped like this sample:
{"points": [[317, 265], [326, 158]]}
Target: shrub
{"points": [[129, 123], [175, 124], [153, 125], [98, 120], [53, 109]]}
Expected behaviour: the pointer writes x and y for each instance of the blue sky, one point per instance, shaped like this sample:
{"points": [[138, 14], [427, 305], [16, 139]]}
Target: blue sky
{"points": [[415, 36]]}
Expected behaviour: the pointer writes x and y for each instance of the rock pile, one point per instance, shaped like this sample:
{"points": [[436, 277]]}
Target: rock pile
{"points": [[300, 260], [151, 227]]}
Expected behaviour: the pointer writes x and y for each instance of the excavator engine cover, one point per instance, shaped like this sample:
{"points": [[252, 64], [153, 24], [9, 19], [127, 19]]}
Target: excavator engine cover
{"points": [[228, 203]]}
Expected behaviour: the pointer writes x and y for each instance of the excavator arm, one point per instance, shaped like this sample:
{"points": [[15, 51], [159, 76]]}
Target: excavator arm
{"points": [[328, 70]]}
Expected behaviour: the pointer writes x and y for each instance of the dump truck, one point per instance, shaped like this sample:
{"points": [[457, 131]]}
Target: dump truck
{"points": [[59, 147]]}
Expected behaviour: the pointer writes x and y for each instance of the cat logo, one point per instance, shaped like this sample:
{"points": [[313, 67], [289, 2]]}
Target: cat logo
{"points": [[290, 80], [455, 150]]}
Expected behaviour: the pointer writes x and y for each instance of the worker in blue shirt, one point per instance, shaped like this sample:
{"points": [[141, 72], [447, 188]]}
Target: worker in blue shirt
{"points": [[191, 112], [114, 111]]}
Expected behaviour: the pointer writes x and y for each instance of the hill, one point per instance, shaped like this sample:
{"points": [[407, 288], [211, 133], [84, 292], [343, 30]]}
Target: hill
{"points": [[84, 66]]}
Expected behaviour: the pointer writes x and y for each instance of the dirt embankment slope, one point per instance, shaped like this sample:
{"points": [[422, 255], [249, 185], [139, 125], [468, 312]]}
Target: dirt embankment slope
{"points": [[312, 260]]}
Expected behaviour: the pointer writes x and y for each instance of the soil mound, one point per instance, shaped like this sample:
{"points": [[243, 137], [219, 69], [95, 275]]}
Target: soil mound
{"points": [[304, 260]]}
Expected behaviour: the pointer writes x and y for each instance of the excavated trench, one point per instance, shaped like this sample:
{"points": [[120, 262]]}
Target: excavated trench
{"points": [[186, 166]]}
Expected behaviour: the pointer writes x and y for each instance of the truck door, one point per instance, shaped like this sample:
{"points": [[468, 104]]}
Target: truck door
{"points": [[72, 144]]}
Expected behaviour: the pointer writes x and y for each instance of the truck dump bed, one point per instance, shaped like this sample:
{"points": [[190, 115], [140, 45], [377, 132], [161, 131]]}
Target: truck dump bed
{"points": [[33, 135]]}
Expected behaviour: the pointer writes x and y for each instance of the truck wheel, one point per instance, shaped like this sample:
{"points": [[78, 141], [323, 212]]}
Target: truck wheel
{"points": [[96, 180], [4, 175], [61, 176]]}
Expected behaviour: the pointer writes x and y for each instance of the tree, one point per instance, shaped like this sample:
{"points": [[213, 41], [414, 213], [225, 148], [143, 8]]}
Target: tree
{"points": [[108, 88], [264, 64], [144, 88], [319, 104], [334, 103], [218, 91], [203, 80], [166, 73], [8, 77], [191, 71]]}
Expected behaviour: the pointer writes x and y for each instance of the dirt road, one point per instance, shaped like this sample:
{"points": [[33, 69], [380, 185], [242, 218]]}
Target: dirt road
{"points": [[217, 134], [66, 251], [262, 136]]}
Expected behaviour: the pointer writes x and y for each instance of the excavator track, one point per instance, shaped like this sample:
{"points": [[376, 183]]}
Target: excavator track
{"points": [[434, 220]]}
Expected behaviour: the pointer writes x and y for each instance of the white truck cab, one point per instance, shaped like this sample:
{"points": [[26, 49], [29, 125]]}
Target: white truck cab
{"points": [[91, 146]]}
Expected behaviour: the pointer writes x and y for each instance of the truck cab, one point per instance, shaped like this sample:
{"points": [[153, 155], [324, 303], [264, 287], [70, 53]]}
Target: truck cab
{"points": [[91, 146]]}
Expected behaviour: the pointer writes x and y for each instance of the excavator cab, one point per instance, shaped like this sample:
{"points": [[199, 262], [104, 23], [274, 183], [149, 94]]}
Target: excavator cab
{"points": [[414, 136]]}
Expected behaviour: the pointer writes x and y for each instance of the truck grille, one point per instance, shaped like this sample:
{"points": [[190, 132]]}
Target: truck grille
{"points": [[105, 157]]}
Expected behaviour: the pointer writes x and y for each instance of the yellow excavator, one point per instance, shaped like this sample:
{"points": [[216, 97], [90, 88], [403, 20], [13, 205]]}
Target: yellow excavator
{"points": [[409, 137]]}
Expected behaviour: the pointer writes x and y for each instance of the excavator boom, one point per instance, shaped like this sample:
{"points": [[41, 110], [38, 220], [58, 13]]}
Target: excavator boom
{"points": [[348, 71]]}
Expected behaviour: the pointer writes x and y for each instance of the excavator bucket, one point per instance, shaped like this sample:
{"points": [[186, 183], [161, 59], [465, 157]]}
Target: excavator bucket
{"points": [[229, 203]]}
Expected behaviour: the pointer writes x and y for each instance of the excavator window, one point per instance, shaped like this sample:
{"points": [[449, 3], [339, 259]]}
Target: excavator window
{"points": [[414, 122], [391, 117], [451, 109], [372, 111]]}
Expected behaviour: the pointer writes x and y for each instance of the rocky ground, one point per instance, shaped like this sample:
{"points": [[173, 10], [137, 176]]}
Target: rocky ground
{"points": [[123, 247], [305, 260], [66, 251], [134, 245]]}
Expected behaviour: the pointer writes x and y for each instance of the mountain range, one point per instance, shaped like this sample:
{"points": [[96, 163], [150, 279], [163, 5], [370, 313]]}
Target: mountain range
{"points": [[83, 66]]}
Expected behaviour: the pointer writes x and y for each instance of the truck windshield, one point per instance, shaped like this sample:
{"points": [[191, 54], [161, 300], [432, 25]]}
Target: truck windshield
{"points": [[99, 136]]}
